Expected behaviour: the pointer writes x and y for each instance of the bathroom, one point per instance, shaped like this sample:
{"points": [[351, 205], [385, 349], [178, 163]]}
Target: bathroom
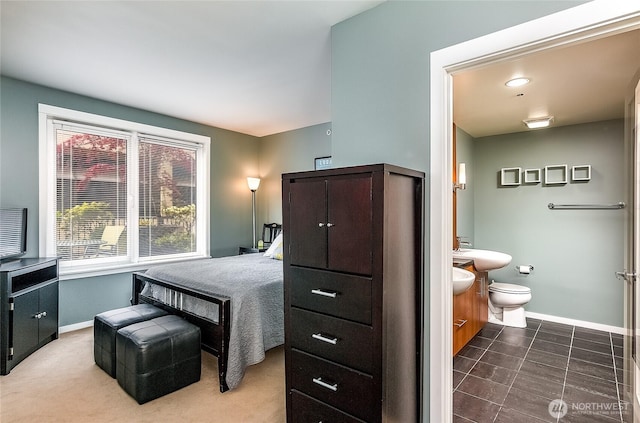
{"points": [[571, 350], [574, 253], [568, 258]]}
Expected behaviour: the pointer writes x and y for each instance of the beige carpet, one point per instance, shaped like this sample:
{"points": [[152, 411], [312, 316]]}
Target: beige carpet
{"points": [[61, 383]]}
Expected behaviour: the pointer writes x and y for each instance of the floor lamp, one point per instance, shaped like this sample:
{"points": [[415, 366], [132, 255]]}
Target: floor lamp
{"points": [[253, 183]]}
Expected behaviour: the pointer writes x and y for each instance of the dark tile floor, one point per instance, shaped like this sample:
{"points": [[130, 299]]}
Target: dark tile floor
{"points": [[507, 375]]}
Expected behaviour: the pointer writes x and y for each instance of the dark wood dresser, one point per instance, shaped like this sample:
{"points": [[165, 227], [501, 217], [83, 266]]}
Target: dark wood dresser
{"points": [[353, 270]]}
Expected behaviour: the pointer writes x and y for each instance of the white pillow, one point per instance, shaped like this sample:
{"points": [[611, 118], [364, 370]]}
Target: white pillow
{"points": [[274, 245], [277, 254]]}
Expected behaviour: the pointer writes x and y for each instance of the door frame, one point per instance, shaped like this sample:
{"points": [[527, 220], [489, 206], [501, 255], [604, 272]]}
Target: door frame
{"points": [[588, 21], [632, 257]]}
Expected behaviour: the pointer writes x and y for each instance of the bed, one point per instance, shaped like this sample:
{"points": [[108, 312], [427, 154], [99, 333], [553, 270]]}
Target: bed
{"points": [[236, 301]]}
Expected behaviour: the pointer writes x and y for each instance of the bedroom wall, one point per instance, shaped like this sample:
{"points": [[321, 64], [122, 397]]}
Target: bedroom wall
{"points": [[292, 151], [234, 156]]}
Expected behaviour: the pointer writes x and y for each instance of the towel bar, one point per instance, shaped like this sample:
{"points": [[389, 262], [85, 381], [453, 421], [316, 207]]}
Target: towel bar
{"points": [[616, 206]]}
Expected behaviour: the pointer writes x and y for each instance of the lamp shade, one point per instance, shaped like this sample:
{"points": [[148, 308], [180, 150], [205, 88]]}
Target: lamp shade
{"points": [[253, 183]]}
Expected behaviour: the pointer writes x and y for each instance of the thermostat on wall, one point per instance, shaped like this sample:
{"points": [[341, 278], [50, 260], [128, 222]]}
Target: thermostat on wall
{"points": [[323, 163]]}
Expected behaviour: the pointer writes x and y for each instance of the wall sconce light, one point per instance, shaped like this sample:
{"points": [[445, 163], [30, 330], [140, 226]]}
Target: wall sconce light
{"points": [[253, 184], [462, 177]]}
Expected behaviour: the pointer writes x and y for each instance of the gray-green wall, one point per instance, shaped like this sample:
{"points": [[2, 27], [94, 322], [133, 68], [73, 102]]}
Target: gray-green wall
{"points": [[575, 253]]}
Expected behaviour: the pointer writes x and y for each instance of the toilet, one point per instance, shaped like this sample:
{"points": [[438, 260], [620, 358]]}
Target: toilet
{"points": [[506, 304]]}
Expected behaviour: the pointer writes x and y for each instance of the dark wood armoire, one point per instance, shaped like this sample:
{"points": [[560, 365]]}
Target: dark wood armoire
{"points": [[353, 274]]}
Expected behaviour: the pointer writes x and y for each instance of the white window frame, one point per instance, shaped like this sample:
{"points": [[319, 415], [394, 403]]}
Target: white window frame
{"points": [[47, 189]]}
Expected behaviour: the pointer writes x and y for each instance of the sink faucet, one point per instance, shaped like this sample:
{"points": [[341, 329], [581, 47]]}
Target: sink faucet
{"points": [[462, 242]]}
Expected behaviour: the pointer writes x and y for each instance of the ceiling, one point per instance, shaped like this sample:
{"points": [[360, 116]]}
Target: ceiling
{"points": [[583, 82], [255, 67], [264, 67]]}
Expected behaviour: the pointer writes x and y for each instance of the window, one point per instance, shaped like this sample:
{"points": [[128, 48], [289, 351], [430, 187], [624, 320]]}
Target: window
{"points": [[118, 194]]}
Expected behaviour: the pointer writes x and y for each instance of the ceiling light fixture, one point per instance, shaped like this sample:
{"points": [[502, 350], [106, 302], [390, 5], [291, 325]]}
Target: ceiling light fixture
{"points": [[538, 122], [517, 82]]}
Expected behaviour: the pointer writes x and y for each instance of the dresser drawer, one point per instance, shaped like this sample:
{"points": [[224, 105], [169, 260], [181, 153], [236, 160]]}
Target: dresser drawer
{"points": [[336, 339], [343, 388], [338, 294], [308, 410]]}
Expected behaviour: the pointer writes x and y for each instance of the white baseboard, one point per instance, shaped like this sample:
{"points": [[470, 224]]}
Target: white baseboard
{"points": [[75, 326], [573, 322]]}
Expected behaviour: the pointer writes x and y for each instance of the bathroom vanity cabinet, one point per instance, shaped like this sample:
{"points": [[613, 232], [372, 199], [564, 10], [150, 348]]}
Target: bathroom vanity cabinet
{"points": [[470, 310], [482, 297], [352, 282]]}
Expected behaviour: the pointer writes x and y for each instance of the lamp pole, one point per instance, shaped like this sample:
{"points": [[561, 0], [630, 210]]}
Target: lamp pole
{"points": [[253, 209]]}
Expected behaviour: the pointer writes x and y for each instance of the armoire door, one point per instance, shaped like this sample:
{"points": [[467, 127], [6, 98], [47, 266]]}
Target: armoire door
{"points": [[307, 223], [331, 224], [350, 224]]}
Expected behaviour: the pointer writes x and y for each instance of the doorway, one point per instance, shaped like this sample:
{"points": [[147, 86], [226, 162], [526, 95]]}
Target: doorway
{"points": [[585, 22]]}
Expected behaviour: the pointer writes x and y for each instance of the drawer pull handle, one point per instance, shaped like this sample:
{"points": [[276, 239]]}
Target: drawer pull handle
{"points": [[319, 381], [460, 323], [321, 337], [324, 293]]}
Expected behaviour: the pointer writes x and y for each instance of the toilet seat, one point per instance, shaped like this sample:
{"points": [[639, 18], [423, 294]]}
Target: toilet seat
{"points": [[509, 288]]}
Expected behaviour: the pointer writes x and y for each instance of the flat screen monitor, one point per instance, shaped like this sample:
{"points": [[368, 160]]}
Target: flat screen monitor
{"points": [[13, 232]]}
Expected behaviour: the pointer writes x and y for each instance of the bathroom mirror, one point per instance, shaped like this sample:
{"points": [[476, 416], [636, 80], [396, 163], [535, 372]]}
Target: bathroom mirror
{"points": [[463, 214]]}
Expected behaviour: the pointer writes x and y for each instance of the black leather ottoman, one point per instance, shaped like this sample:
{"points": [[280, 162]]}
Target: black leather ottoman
{"points": [[107, 324], [157, 357]]}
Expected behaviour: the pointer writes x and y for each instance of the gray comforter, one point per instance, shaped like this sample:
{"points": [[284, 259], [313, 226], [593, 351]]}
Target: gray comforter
{"points": [[255, 285]]}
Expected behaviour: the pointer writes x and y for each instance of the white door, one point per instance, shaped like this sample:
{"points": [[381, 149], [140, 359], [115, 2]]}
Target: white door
{"points": [[632, 260]]}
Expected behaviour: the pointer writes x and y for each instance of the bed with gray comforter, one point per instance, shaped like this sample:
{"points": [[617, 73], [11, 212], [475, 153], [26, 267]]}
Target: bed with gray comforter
{"points": [[237, 301]]}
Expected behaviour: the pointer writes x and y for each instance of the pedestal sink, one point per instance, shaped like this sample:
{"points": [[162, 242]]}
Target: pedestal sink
{"points": [[483, 260], [462, 280]]}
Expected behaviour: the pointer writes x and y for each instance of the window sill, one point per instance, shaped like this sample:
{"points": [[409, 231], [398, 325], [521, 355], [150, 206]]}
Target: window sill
{"points": [[112, 269]]}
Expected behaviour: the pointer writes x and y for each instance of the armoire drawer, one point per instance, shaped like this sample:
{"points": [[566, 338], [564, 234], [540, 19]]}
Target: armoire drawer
{"points": [[306, 409], [343, 388], [338, 340], [338, 294]]}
